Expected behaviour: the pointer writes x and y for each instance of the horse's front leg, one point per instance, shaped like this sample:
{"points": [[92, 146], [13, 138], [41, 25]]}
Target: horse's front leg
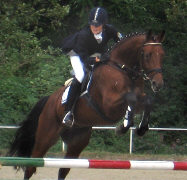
{"points": [[129, 116], [127, 123], [144, 124]]}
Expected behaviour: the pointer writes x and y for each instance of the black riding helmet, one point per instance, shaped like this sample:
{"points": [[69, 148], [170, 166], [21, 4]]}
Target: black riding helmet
{"points": [[98, 16]]}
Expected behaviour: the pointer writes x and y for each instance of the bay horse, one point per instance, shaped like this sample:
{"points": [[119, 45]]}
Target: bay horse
{"points": [[115, 85]]}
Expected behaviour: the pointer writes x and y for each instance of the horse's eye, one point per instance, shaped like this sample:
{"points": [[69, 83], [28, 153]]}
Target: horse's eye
{"points": [[147, 56], [142, 53]]}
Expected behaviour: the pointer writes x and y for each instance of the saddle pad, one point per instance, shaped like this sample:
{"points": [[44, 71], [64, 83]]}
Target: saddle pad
{"points": [[65, 94]]}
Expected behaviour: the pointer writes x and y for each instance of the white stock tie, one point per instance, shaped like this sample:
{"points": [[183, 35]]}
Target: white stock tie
{"points": [[98, 37]]}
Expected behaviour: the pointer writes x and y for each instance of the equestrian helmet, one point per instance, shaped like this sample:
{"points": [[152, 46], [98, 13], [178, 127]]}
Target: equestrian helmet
{"points": [[98, 16]]}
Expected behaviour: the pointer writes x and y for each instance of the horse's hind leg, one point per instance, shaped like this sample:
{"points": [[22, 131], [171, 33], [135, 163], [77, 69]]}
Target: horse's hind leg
{"points": [[47, 135], [144, 124], [76, 140]]}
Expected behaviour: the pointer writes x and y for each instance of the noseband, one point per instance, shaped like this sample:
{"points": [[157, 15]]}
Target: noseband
{"points": [[146, 74]]}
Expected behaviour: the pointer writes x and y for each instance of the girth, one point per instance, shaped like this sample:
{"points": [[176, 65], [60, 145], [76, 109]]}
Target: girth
{"points": [[96, 107]]}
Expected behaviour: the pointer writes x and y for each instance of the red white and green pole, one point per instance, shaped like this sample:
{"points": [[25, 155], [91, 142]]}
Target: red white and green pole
{"points": [[91, 163]]}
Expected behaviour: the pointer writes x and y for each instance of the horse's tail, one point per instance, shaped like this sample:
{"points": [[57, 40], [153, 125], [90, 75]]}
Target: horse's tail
{"points": [[23, 142]]}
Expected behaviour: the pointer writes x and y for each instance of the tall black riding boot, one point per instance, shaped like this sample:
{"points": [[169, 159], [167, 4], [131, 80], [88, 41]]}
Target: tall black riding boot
{"points": [[73, 94]]}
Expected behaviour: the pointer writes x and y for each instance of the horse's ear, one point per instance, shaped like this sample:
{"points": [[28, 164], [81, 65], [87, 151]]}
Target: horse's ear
{"points": [[161, 36], [149, 35]]}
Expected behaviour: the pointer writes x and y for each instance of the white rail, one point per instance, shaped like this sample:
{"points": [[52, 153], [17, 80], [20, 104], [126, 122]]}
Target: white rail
{"points": [[134, 128], [9, 127], [113, 128]]}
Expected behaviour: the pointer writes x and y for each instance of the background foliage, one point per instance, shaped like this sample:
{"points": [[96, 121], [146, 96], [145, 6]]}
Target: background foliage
{"points": [[32, 65]]}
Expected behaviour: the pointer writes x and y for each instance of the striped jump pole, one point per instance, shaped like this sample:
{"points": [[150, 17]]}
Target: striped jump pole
{"points": [[91, 163]]}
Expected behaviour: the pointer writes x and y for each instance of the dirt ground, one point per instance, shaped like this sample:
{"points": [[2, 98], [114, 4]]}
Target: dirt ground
{"points": [[8, 173]]}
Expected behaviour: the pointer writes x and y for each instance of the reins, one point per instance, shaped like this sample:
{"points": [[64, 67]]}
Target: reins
{"points": [[133, 73]]}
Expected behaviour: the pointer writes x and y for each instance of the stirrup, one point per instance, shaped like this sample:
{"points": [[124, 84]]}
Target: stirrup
{"points": [[68, 119]]}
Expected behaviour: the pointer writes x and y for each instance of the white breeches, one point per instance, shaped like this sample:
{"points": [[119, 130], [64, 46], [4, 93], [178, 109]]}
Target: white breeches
{"points": [[77, 68]]}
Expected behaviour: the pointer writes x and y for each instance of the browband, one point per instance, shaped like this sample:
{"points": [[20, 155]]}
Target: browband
{"points": [[152, 44]]}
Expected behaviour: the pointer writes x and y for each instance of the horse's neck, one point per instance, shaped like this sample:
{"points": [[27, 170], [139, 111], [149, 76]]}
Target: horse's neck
{"points": [[127, 52]]}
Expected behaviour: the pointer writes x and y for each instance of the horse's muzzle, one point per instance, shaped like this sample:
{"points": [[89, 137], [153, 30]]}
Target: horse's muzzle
{"points": [[157, 86]]}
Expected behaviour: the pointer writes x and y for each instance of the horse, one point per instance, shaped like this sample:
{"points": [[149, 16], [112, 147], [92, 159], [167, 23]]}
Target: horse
{"points": [[115, 85]]}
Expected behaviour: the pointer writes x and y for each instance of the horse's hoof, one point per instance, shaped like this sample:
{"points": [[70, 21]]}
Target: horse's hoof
{"points": [[120, 130], [141, 131]]}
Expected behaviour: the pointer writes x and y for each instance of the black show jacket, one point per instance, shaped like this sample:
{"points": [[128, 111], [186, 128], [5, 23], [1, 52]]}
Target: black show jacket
{"points": [[85, 44]]}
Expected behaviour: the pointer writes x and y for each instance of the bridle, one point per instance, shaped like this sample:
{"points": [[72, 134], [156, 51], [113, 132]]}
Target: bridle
{"points": [[133, 72]]}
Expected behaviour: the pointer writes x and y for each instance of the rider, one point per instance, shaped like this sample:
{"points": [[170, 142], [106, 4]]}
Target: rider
{"points": [[80, 46]]}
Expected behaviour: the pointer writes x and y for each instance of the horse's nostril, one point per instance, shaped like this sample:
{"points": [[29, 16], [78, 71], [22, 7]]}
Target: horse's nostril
{"points": [[157, 86], [154, 84]]}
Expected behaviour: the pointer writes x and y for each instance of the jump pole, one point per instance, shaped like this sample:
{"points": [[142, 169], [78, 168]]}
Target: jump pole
{"points": [[91, 163]]}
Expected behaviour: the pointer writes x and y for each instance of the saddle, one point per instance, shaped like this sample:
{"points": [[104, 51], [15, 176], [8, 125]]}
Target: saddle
{"points": [[84, 85]]}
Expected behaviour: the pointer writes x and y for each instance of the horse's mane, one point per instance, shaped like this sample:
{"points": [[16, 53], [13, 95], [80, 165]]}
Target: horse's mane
{"points": [[125, 38]]}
